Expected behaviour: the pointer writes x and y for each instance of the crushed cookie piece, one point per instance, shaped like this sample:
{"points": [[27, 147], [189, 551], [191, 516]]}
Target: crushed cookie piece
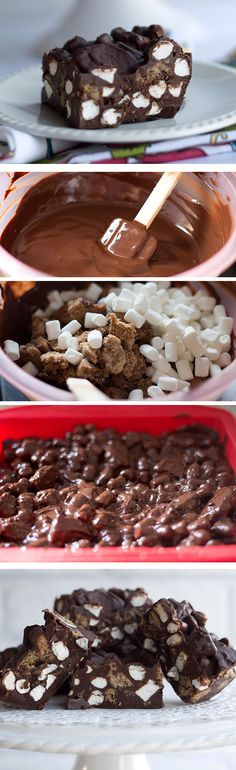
{"points": [[112, 355], [38, 326], [31, 353], [124, 331], [89, 371], [77, 309]]}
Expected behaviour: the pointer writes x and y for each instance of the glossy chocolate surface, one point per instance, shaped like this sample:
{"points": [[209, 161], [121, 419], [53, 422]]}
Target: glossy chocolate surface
{"points": [[104, 488], [60, 221]]}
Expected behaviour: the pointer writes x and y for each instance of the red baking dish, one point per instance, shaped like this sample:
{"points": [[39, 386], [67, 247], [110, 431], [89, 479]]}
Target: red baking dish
{"points": [[49, 421]]}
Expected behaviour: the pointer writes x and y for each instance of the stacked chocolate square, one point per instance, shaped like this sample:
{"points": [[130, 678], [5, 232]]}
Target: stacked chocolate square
{"points": [[124, 77], [110, 649]]}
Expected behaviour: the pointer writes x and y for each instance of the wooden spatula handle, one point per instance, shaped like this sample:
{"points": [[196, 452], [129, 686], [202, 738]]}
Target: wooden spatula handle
{"points": [[157, 198]]}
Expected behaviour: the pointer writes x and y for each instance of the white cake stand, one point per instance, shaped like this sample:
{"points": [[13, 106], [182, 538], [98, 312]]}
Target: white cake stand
{"points": [[119, 740]]}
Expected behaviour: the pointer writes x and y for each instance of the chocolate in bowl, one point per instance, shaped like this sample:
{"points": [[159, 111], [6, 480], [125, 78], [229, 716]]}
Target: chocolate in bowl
{"points": [[60, 219]]}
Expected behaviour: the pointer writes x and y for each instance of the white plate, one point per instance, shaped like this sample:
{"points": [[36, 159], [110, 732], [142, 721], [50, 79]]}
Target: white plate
{"points": [[210, 104], [176, 727]]}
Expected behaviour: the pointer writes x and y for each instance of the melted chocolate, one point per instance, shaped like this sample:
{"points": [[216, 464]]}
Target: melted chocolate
{"points": [[59, 222]]}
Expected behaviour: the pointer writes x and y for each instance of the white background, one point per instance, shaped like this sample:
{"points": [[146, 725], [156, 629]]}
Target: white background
{"points": [[24, 593], [27, 27]]}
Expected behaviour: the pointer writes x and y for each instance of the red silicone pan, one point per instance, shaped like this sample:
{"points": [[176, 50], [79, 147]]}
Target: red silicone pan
{"points": [[49, 421]]}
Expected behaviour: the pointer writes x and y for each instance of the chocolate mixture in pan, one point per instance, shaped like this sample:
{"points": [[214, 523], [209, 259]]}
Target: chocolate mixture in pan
{"points": [[103, 488], [124, 77], [60, 221]]}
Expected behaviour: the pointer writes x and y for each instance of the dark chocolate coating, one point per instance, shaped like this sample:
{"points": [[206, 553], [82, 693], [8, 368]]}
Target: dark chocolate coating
{"points": [[109, 681], [113, 615], [42, 664], [197, 664], [119, 78]]}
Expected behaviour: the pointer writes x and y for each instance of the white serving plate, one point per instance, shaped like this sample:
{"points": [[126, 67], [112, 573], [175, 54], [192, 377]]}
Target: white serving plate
{"points": [[210, 105], [100, 733]]}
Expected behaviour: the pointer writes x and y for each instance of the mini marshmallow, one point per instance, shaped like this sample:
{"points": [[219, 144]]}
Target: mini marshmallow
{"points": [[94, 319], [122, 304], [54, 298], [95, 339], [171, 351], [225, 343], [73, 356], [136, 395], [74, 343], [202, 367], [108, 301], [53, 329], [183, 385], [155, 392], [68, 295], [12, 349], [209, 336], [163, 365], [39, 312], [93, 292], [214, 370], [168, 383], [192, 342], [140, 303], [212, 353], [64, 340], [155, 319], [132, 317], [184, 369], [219, 312], [30, 368], [157, 343], [226, 325], [181, 349], [149, 352], [190, 313], [127, 293], [206, 303], [224, 360], [208, 321], [72, 327]]}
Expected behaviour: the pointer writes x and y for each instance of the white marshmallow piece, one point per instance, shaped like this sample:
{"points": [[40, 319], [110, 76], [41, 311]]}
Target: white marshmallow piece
{"points": [[94, 319], [169, 384], [135, 318], [157, 343], [95, 339], [12, 349], [202, 367], [73, 356], [64, 340], [162, 50], [155, 393], [136, 395], [226, 325], [53, 329], [192, 343], [224, 360], [184, 369], [171, 352], [93, 292], [72, 327], [149, 352]]}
